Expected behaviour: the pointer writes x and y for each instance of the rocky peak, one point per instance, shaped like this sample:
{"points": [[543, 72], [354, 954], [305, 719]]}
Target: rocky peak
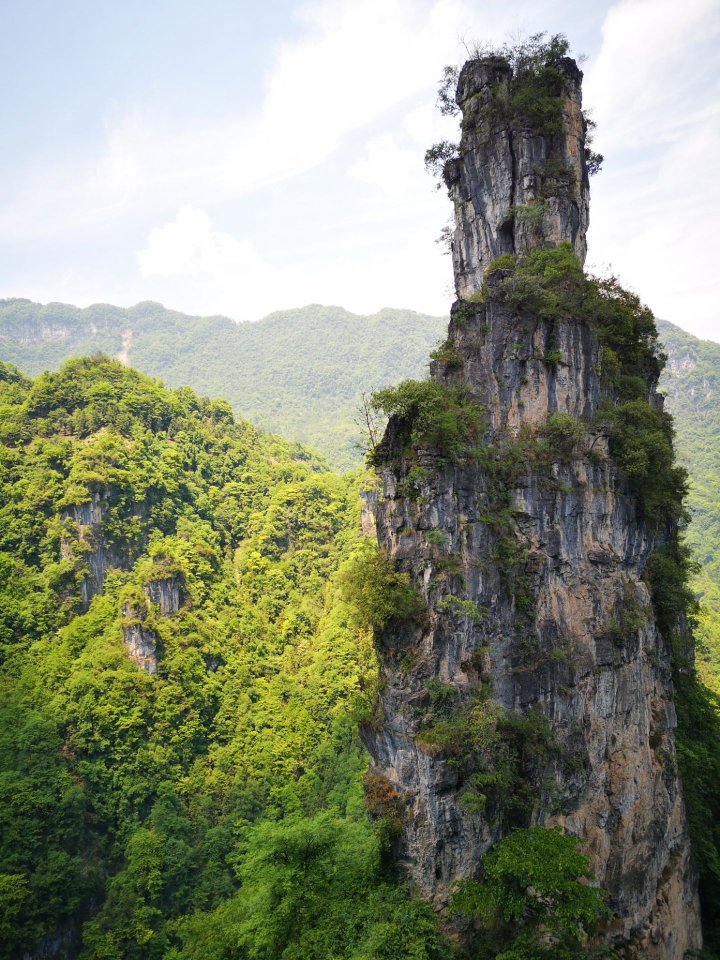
{"points": [[521, 180], [528, 548]]}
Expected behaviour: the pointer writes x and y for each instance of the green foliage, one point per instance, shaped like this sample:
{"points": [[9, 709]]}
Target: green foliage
{"points": [[314, 889], [552, 284], [641, 443], [459, 608], [447, 355], [530, 213], [133, 807], [563, 432], [500, 754], [437, 156], [533, 900], [533, 98], [692, 384], [370, 583], [698, 752], [433, 415]]}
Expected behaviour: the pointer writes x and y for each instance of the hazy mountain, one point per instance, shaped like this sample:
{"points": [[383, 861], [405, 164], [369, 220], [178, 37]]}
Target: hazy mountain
{"points": [[296, 372]]}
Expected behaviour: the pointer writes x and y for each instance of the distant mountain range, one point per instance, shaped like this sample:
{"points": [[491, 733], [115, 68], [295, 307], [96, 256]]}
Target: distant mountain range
{"points": [[300, 373]]}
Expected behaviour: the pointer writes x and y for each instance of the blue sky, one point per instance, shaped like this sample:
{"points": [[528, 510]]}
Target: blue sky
{"points": [[240, 157]]}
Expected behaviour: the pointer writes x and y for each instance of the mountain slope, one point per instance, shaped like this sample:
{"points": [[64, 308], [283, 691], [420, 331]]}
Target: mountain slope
{"points": [[297, 372], [301, 373], [692, 384], [179, 678]]}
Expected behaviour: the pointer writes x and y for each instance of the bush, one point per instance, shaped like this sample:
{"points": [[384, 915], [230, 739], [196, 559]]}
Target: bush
{"points": [[369, 582], [563, 433], [641, 443], [447, 355], [551, 283], [433, 415], [534, 900]]}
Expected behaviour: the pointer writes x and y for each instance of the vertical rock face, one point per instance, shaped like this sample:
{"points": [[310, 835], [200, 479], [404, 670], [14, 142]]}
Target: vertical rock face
{"points": [[531, 571], [90, 545], [164, 591], [516, 186], [140, 643]]}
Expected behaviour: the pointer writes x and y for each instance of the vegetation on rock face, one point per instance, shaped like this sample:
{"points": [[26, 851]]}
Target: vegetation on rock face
{"points": [[500, 755], [533, 900], [214, 808], [551, 283], [532, 100], [433, 415], [369, 582]]}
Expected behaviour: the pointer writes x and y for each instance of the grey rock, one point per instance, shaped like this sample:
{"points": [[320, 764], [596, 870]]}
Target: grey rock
{"points": [[88, 545], [606, 692], [164, 591], [506, 167], [140, 642]]}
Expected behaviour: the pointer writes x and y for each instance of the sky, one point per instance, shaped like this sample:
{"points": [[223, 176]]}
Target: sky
{"points": [[240, 157]]}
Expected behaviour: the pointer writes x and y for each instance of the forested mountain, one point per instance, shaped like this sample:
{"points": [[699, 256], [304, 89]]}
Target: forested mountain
{"points": [[692, 383], [181, 683], [300, 373]]}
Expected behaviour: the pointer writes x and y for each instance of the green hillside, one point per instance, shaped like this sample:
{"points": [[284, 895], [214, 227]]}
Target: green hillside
{"points": [[185, 605], [691, 382], [300, 373], [182, 677]]}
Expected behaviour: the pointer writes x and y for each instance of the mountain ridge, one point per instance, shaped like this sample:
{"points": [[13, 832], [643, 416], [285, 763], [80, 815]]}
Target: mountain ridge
{"points": [[281, 372]]}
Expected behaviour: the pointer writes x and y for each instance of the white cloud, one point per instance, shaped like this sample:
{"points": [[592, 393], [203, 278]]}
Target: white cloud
{"points": [[355, 62], [644, 83], [189, 246], [187, 261], [210, 270], [654, 91], [363, 232]]}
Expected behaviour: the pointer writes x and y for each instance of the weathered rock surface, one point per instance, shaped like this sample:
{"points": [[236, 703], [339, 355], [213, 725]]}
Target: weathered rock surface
{"points": [[89, 545], [140, 643], [514, 188], [566, 627], [163, 592]]}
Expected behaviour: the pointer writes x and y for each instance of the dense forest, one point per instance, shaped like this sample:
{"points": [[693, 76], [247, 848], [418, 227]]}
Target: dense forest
{"points": [[691, 382], [242, 720], [202, 786], [186, 632]]}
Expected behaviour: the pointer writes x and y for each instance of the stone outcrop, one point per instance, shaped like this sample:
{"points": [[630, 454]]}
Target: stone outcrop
{"points": [[140, 642], [162, 596], [532, 574], [164, 591], [514, 187], [86, 543]]}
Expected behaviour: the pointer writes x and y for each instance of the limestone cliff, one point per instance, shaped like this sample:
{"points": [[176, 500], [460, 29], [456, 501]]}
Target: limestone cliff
{"points": [[529, 553], [160, 597], [514, 186]]}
